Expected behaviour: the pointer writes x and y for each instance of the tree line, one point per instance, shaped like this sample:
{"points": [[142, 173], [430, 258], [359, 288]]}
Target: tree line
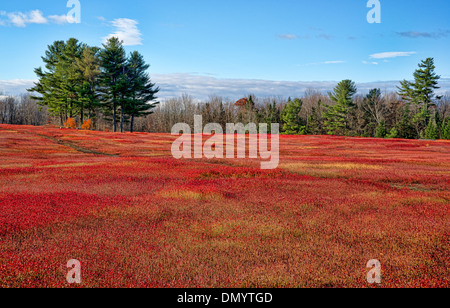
{"points": [[110, 97], [413, 112], [80, 81], [22, 110]]}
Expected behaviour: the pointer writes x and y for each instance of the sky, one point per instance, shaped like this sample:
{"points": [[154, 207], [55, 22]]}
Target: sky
{"points": [[233, 48]]}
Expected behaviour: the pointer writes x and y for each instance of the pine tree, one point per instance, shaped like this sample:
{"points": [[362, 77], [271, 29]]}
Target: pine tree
{"points": [[47, 86], [70, 79], [393, 133], [58, 85], [141, 94], [314, 125], [89, 70], [291, 119], [336, 117], [112, 76], [269, 114], [446, 129], [432, 131], [381, 130], [405, 129], [420, 93]]}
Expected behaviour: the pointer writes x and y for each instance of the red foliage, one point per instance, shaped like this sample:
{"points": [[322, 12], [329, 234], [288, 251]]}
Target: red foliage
{"points": [[136, 217], [242, 102]]}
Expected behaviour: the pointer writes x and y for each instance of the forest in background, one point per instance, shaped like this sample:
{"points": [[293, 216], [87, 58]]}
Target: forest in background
{"points": [[365, 120], [104, 89]]}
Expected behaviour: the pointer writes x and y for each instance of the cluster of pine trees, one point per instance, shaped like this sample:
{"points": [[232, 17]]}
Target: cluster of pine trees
{"points": [[89, 83]]}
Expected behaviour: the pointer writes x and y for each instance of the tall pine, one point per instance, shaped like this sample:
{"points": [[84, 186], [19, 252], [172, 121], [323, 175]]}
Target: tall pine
{"points": [[89, 69], [112, 77], [420, 94], [337, 116], [142, 92]]}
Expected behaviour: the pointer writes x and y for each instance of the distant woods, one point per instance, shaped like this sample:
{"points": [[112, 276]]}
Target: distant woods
{"points": [[413, 112], [22, 110], [91, 83], [102, 89]]}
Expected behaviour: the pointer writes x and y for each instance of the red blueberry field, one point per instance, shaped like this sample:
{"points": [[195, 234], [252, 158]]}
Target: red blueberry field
{"points": [[136, 217]]}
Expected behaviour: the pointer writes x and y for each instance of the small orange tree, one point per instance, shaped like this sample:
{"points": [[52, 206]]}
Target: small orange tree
{"points": [[71, 123], [87, 125]]}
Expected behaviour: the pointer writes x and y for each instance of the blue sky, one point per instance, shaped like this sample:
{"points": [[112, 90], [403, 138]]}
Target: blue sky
{"points": [[283, 40]]}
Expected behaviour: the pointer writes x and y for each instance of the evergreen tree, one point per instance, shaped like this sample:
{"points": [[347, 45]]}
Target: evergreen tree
{"points": [[269, 115], [141, 91], [314, 125], [446, 129], [337, 116], [59, 84], [381, 130], [70, 81], [291, 119], [405, 129], [89, 70], [49, 85], [113, 76], [393, 133], [420, 93], [432, 131]]}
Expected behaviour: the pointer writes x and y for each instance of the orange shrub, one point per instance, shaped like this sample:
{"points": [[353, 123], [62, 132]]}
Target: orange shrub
{"points": [[87, 125], [71, 123]]}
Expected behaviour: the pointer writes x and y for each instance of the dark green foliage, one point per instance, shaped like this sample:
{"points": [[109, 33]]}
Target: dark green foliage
{"points": [[269, 114], [60, 83], [314, 124], [292, 123], [141, 91], [337, 116], [446, 129], [432, 132], [405, 128], [381, 130], [112, 78], [420, 94], [78, 80]]}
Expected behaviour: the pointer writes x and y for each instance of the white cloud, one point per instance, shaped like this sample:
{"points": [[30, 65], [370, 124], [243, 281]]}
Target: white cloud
{"points": [[20, 19], [394, 54], [62, 19], [288, 36], [367, 62], [415, 34], [16, 86], [127, 31]]}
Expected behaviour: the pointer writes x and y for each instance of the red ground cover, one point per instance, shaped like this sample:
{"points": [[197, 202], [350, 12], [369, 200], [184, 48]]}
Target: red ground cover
{"points": [[136, 217]]}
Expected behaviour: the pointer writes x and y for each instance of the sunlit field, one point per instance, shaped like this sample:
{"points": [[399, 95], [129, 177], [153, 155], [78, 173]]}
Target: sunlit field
{"points": [[136, 217]]}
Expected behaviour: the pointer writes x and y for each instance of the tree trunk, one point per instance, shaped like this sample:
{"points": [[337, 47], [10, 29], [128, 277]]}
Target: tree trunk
{"points": [[114, 116], [121, 119], [132, 123]]}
